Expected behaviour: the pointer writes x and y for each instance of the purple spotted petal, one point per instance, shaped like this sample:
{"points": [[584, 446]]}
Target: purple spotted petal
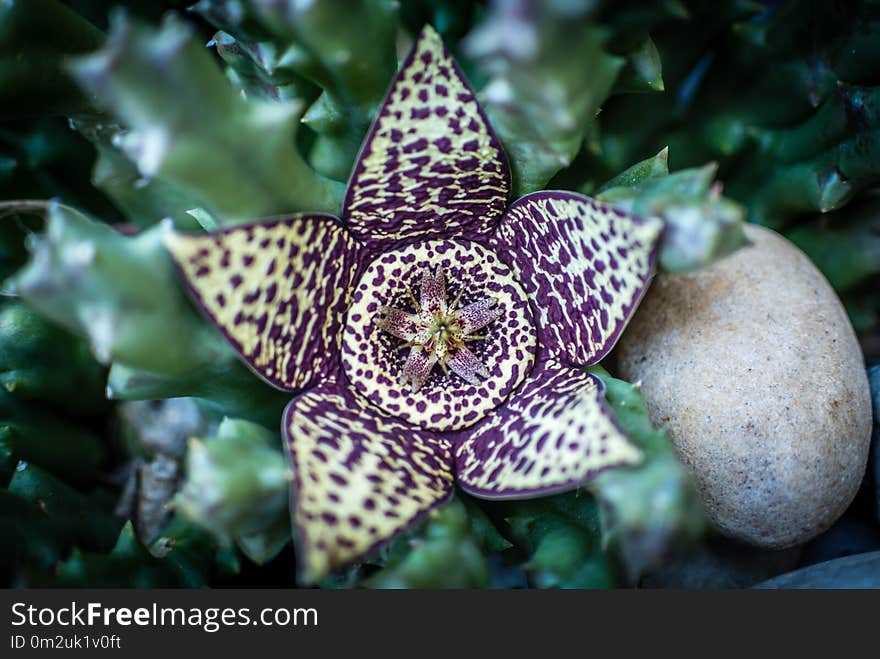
{"points": [[586, 266], [478, 314], [397, 323], [418, 367], [277, 290], [553, 434], [466, 364], [360, 476], [431, 165], [433, 291]]}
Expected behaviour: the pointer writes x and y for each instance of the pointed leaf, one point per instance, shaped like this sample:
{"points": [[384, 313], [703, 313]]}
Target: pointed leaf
{"points": [[188, 126]]}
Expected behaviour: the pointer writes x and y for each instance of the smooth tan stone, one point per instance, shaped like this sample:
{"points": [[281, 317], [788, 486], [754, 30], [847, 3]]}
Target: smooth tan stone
{"points": [[754, 368]]}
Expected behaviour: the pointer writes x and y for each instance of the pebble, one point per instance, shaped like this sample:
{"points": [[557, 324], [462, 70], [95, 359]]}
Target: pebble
{"points": [[753, 367]]}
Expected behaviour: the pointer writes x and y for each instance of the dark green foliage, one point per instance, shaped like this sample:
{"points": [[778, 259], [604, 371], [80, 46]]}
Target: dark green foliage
{"points": [[124, 117]]}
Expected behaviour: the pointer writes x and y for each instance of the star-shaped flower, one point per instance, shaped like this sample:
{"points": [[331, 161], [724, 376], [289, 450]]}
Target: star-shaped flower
{"points": [[431, 337]]}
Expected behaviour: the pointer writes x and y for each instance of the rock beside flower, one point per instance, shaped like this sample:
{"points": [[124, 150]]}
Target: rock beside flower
{"points": [[753, 367], [859, 571]]}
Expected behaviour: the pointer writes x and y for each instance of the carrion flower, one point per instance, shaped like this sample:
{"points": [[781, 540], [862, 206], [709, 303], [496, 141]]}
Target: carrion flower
{"points": [[433, 336]]}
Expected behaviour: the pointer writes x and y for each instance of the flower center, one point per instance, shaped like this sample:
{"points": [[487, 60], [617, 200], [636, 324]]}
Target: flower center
{"points": [[438, 334]]}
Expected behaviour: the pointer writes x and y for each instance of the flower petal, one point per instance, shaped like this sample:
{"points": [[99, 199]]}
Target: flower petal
{"points": [[431, 164], [418, 367], [433, 291], [586, 266], [465, 364], [553, 434], [398, 323], [360, 476], [277, 290], [478, 314]]}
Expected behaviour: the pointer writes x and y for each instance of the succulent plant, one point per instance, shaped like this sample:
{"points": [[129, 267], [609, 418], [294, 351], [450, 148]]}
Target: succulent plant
{"points": [[138, 147]]}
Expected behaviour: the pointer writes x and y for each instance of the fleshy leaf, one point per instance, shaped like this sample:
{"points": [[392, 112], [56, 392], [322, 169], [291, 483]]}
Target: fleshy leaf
{"points": [[845, 246], [35, 38], [702, 225], [188, 126], [35, 435], [117, 290], [549, 74], [348, 49], [649, 513], [40, 361], [643, 71], [552, 435], [560, 534], [360, 476], [237, 486], [444, 554], [278, 291], [431, 164], [144, 201], [586, 265]]}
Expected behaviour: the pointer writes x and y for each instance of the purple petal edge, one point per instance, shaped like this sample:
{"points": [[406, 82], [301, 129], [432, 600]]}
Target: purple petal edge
{"points": [[410, 221], [586, 266]]}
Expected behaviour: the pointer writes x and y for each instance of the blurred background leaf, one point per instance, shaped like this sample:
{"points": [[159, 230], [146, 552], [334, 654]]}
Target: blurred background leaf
{"points": [[124, 114]]}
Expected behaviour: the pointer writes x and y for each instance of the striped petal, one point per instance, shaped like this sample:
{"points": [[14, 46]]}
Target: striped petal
{"points": [[277, 290], [553, 434], [360, 476], [431, 165], [586, 266]]}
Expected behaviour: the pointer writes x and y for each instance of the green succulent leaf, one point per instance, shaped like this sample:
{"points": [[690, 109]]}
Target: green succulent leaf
{"points": [[35, 37], [128, 565], [442, 554], [35, 435], [340, 68], [643, 71], [561, 537], [28, 538], [120, 292], [187, 126], [702, 225], [651, 512], [41, 362], [78, 519], [541, 94], [237, 488], [845, 245]]}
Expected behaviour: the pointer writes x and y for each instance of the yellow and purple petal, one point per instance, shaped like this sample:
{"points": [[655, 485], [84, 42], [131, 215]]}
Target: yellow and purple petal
{"points": [[373, 359], [277, 290], [585, 265], [553, 434], [360, 476], [431, 165]]}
